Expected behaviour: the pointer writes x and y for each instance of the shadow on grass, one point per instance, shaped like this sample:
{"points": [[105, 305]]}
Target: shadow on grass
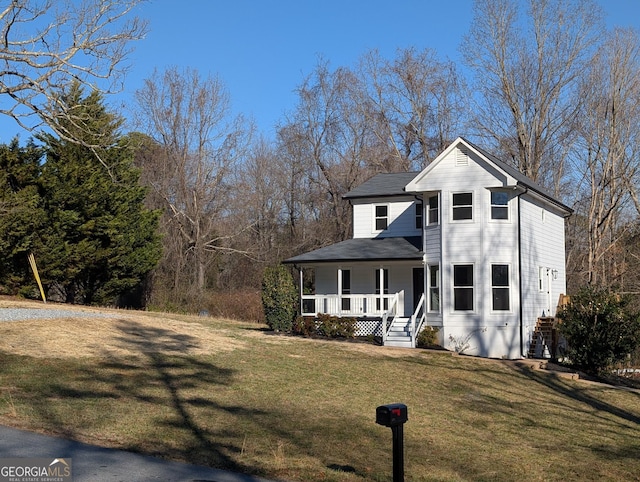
{"points": [[162, 381], [557, 384]]}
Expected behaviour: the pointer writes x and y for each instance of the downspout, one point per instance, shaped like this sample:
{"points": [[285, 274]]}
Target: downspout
{"points": [[424, 259], [520, 277]]}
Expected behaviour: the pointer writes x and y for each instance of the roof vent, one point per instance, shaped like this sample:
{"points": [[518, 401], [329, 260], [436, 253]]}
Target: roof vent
{"points": [[462, 156]]}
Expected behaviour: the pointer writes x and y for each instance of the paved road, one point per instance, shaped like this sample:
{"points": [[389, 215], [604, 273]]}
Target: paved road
{"points": [[98, 464]]}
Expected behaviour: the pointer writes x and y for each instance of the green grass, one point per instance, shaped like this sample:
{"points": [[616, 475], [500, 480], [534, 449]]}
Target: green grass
{"points": [[304, 410]]}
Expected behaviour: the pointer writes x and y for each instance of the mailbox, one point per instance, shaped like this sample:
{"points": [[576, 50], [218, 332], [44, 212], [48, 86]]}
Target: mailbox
{"points": [[392, 415]]}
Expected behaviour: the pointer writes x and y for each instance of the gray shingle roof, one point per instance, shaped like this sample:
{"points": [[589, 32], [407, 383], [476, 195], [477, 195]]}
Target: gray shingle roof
{"points": [[364, 249], [387, 184]]}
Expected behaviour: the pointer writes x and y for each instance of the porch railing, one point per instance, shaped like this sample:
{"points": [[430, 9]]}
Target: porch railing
{"points": [[417, 320], [388, 316], [350, 305]]}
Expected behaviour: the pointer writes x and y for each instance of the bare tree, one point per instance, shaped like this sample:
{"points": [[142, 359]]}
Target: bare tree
{"points": [[413, 104], [46, 45], [328, 136], [606, 167], [527, 68], [190, 118]]}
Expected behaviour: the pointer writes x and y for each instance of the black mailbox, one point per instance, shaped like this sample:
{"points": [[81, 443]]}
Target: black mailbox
{"points": [[392, 415]]}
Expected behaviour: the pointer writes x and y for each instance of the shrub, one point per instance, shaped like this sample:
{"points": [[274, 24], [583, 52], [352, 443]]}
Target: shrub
{"points": [[336, 327], [599, 330], [305, 326], [427, 337], [279, 298]]}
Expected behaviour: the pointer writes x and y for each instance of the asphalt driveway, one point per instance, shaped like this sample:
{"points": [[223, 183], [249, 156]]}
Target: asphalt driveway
{"points": [[97, 464]]}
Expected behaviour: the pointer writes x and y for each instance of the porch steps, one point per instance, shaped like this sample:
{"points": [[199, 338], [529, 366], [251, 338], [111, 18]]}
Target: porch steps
{"points": [[544, 341], [399, 334]]}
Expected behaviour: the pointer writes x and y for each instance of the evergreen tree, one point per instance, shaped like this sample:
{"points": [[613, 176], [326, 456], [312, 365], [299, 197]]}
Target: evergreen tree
{"points": [[101, 241], [21, 214]]}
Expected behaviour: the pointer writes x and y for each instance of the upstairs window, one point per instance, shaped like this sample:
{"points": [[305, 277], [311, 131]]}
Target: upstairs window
{"points": [[462, 208], [418, 206], [433, 210], [381, 217], [499, 205], [463, 287], [500, 287]]}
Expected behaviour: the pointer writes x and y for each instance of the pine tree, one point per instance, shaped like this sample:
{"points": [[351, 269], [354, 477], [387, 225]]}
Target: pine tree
{"points": [[21, 214], [101, 241]]}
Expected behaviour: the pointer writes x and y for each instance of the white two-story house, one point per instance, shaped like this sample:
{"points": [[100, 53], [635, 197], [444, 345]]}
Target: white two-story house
{"points": [[469, 245]]}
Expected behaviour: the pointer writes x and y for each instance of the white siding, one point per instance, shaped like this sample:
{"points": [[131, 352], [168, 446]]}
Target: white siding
{"points": [[543, 252], [401, 218], [480, 242]]}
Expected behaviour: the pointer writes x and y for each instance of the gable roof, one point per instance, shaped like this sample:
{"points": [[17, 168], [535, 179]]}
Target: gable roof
{"points": [[364, 249], [382, 185], [521, 180]]}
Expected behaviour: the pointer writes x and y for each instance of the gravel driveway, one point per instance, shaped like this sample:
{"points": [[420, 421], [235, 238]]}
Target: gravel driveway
{"points": [[21, 314]]}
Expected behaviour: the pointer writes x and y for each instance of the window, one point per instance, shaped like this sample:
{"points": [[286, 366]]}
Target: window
{"points": [[499, 205], [346, 289], [418, 206], [434, 288], [462, 206], [385, 288], [463, 287], [500, 287], [382, 217], [433, 210]]}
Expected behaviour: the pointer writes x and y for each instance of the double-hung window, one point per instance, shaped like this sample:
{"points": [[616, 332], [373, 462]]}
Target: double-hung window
{"points": [[434, 288], [500, 287], [418, 206], [381, 217], [433, 210], [463, 287], [499, 205], [462, 206], [345, 281]]}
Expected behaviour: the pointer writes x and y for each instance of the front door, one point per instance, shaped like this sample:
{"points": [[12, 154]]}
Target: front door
{"points": [[418, 286]]}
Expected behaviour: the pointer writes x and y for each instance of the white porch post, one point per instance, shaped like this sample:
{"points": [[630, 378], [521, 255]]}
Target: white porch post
{"points": [[301, 287], [339, 307], [381, 280]]}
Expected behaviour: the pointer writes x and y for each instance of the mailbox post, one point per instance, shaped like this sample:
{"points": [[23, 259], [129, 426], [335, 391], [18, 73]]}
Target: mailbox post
{"points": [[394, 416]]}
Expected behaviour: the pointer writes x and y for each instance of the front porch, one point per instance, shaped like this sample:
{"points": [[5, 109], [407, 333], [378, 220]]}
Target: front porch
{"points": [[375, 314], [355, 305]]}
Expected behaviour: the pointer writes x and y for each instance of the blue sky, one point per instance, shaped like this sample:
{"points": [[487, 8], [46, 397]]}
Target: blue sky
{"points": [[262, 49]]}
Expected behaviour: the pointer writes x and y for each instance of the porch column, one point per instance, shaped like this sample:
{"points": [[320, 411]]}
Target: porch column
{"points": [[339, 307], [301, 287], [381, 281]]}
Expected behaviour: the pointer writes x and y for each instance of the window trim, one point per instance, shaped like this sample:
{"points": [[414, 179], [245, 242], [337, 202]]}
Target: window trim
{"points": [[493, 205], [431, 210], [376, 217], [461, 206], [438, 288], [506, 288], [419, 214], [345, 303], [472, 287]]}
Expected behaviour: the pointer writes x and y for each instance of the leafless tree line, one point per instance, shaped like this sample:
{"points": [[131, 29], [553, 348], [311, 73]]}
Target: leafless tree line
{"points": [[545, 86]]}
